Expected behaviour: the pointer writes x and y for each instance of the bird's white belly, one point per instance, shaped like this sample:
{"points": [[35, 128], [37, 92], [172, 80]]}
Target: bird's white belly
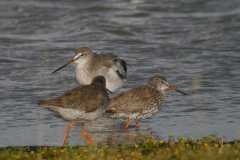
{"points": [[134, 116], [113, 81], [76, 114]]}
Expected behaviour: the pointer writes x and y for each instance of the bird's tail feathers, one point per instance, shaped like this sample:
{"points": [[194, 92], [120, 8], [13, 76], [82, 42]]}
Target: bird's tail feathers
{"points": [[47, 102]]}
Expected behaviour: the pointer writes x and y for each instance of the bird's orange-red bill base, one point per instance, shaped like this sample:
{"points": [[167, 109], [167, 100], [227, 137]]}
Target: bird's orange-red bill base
{"points": [[174, 89], [69, 63]]}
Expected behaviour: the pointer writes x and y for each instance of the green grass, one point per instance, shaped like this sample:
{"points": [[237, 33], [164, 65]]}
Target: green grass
{"points": [[144, 147]]}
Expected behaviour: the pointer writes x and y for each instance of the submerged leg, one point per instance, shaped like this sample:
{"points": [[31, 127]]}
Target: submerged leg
{"points": [[85, 135], [126, 127], [137, 126], [68, 129]]}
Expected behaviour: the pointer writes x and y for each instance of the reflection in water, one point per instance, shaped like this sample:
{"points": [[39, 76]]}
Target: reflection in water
{"points": [[105, 131]]}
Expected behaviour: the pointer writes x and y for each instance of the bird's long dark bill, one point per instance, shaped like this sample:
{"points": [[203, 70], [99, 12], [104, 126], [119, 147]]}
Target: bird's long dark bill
{"points": [[69, 63], [174, 89]]}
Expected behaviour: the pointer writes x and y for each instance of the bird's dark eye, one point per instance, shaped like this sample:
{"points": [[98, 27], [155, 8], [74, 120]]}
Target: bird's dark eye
{"points": [[79, 56], [162, 82]]}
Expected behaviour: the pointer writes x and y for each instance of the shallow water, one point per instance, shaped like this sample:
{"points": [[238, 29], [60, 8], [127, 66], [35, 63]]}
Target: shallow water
{"points": [[194, 44]]}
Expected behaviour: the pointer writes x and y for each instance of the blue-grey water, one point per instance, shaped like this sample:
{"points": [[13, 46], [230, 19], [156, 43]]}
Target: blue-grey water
{"points": [[193, 43]]}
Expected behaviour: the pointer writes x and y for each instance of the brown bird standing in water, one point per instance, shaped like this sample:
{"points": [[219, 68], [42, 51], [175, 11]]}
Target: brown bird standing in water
{"points": [[84, 103], [141, 102]]}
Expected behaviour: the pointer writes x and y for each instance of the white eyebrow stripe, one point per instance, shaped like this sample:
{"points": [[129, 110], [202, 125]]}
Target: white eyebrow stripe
{"points": [[78, 55]]}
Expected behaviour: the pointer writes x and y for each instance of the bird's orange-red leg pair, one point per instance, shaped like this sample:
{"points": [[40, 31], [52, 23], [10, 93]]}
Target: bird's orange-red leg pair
{"points": [[84, 133], [137, 126]]}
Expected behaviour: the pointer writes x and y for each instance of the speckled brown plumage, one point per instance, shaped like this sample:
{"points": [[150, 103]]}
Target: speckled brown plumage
{"points": [[136, 100], [141, 102]]}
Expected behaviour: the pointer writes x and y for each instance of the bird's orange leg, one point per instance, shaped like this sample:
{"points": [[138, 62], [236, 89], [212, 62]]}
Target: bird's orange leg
{"points": [[126, 127], [85, 135], [137, 126], [68, 129]]}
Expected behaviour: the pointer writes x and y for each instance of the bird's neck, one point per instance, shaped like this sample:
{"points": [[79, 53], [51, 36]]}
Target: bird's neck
{"points": [[160, 94], [85, 64]]}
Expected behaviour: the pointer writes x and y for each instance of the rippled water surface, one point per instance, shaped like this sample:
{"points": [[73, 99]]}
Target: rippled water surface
{"points": [[193, 43]]}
